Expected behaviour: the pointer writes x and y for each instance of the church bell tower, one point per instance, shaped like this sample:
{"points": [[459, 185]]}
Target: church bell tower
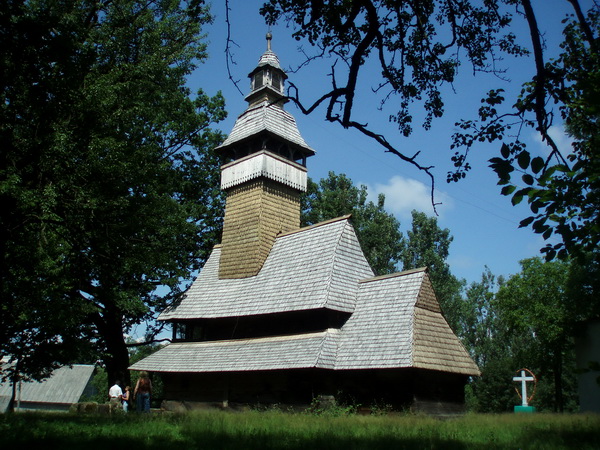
{"points": [[264, 175]]}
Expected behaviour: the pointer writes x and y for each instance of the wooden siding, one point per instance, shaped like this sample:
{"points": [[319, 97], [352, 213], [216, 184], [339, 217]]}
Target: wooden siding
{"points": [[255, 213], [264, 164]]}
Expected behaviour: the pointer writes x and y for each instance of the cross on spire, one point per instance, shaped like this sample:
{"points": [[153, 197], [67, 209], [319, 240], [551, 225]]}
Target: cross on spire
{"points": [[269, 37]]}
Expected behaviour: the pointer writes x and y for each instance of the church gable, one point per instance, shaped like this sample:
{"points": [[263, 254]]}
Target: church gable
{"points": [[427, 298], [435, 346]]}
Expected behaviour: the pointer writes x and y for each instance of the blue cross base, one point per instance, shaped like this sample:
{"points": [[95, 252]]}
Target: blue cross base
{"points": [[524, 409]]}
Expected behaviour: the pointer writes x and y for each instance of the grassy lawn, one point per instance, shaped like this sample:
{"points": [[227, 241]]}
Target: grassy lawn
{"points": [[273, 430]]}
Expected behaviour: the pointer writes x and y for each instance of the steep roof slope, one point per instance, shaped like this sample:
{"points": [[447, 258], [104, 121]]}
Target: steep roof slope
{"points": [[435, 346], [315, 267], [398, 323], [266, 118]]}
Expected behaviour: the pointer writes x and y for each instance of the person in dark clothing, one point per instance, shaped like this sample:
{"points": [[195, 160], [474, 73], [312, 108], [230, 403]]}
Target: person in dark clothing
{"points": [[142, 392]]}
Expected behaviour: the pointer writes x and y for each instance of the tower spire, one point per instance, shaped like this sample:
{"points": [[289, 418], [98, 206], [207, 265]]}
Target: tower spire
{"points": [[269, 38]]}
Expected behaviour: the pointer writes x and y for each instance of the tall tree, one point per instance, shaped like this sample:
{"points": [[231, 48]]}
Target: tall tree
{"points": [[536, 304], [378, 231], [427, 245], [420, 46], [109, 186], [478, 320]]}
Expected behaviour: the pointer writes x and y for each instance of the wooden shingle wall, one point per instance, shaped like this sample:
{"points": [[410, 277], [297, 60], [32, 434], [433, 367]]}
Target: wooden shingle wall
{"points": [[436, 347], [427, 299], [255, 213]]}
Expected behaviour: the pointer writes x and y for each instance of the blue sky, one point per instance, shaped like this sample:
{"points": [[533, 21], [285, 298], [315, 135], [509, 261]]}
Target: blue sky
{"points": [[484, 223]]}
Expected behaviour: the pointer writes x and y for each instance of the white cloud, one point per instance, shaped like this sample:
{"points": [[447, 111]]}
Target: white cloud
{"points": [[402, 195], [563, 141]]}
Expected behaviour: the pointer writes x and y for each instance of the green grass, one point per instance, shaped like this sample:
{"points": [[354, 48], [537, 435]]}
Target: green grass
{"points": [[273, 430]]}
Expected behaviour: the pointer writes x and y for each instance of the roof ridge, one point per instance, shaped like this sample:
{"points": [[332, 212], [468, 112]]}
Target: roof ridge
{"points": [[316, 225], [334, 333], [274, 338], [393, 275]]}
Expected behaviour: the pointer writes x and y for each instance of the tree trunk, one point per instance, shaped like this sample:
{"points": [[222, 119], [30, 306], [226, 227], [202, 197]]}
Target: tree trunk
{"points": [[13, 395], [116, 357], [558, 387]]}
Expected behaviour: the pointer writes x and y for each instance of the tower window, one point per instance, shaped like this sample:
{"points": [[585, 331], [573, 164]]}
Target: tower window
{"points": [[277, 82], [258, 80]]}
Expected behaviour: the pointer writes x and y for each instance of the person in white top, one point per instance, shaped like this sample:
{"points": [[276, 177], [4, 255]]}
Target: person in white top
{"points": [[115, 394]]}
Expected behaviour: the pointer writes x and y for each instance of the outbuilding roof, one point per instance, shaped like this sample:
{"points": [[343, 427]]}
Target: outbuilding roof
{"points": [[64, 387]]}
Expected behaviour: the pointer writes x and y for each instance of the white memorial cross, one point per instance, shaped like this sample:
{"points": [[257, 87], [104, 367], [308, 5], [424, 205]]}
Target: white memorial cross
{"points": [[523, 379]]}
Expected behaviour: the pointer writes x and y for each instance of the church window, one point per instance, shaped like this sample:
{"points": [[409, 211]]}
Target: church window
{"points": [[257, 81], [277, 82]]}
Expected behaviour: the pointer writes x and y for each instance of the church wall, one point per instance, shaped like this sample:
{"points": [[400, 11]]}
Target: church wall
{"points": [[419, 390], [253, 388]]}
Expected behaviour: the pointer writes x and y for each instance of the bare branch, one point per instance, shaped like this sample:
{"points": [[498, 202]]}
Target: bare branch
{"points": [[228, 54]]}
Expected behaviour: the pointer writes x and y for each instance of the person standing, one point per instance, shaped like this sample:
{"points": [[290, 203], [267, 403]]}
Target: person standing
{"points": [[125, 398], [142, 392], [114, 395]]}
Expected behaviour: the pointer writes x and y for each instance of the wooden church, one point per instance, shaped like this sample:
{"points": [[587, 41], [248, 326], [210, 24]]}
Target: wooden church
{"points": [[285, 315]]}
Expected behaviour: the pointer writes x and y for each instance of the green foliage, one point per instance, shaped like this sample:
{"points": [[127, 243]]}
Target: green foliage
{"points": [[427, 245], [377, 230], [418, 48], [535, 304], [478, 321], [100, 383], [528, 321], [562, 189], [332, 407], [108, 185]]}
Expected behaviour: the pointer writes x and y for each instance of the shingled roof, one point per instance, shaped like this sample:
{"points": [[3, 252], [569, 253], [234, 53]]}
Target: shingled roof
{"points": [[316, 267], [268, 118], [64, 387], [396, 321], [271, 353], [391, 322]]}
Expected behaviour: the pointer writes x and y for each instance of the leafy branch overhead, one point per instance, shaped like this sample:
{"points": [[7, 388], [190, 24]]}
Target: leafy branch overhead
{"points": [[418, 48], [416, 45], [562, 188]]}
